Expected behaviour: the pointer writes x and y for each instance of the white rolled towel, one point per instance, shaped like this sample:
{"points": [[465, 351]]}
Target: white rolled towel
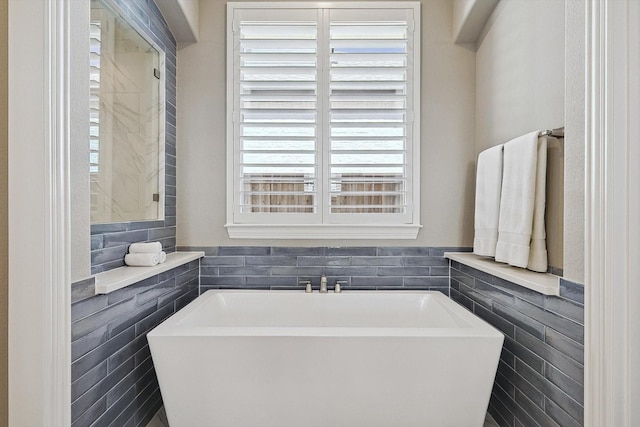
{"points": [[142, 259], [145, 248], [163, 257]]}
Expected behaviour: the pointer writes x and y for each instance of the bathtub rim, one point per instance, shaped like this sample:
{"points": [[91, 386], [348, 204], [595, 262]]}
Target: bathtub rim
{"points": [[478, 328]]}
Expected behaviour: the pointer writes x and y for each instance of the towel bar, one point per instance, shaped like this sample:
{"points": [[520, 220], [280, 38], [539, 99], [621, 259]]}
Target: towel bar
{"points": [[555, 133]]}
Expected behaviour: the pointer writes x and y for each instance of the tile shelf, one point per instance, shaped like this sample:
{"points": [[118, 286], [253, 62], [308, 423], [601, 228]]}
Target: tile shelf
{"points": [[121, 277], [544, 283]]}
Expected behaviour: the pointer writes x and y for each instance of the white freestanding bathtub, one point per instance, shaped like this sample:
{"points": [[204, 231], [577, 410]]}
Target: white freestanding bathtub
{"points": [[239, 358]]}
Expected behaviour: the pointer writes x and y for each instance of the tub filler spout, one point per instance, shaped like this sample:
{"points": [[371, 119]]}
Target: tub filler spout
{"points": [[323, 284]]}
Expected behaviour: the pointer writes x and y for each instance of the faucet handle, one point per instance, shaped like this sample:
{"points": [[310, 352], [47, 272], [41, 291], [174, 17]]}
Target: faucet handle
{"points": [[308, 288], [337, 288]]}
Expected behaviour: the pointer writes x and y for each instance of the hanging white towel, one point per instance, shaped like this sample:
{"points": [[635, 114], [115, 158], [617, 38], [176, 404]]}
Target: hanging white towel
{"points": [[538, 253], [142, 259], [488, 189], [517, 200], [150, 247]]}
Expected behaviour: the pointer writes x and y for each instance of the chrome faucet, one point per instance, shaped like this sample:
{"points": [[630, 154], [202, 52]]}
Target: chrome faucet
{"points": [[323, 284]]}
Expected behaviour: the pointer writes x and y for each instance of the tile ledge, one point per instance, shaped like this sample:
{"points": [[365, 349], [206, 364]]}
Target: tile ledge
{"points": [[121, 277], [544, 283]]}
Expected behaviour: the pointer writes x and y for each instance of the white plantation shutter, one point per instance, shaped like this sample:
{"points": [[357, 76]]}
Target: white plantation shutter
{"points": [[370, 134], [94, 112], [321, 130], [96, 196], [277, 118]]}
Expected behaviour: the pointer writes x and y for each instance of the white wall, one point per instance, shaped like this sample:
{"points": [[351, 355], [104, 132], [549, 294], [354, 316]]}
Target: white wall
{"points": [[4, 226], [448, 80], [79, 153], [520, 71], [574, 146], [520, 88]]}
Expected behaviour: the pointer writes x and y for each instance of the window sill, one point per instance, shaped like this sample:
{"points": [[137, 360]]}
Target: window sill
{"points": [[334, 231], [544, 283], [119, 278]]}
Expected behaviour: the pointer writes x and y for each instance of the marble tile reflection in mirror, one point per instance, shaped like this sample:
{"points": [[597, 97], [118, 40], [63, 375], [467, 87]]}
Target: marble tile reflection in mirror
{"points": [[126, 121]]}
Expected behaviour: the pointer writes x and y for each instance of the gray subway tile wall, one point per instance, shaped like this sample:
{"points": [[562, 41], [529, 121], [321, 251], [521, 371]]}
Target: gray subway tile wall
{"points": [[110, 242], [113, 380], [540, 374], [540, 378], [283, 267]]}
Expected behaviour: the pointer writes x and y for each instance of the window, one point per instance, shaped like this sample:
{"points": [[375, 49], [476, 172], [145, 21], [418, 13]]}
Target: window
{"points": [[323, 120]]}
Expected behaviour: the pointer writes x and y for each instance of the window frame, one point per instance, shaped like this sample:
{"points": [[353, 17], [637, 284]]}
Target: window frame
{"points": [[296, 225]]}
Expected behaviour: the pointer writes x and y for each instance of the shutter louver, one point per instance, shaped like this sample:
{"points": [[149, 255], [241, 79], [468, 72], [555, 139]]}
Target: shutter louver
{"points": [[278, 102]]}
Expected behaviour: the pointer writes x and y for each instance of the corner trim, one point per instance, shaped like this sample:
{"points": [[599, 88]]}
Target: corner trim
{"points": [[470, 18], [40, 113], [612, 214]]}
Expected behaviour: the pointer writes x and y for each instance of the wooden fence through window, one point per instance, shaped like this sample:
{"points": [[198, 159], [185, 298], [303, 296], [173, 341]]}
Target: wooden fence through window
{"points": [[350, 193]]}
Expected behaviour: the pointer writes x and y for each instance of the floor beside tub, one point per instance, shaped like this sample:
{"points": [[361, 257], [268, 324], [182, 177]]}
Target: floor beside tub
{"points": [[160, 420], [490, 422]]}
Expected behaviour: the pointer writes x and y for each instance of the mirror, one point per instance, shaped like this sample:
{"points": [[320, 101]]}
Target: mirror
{"points": [[126, 141]]}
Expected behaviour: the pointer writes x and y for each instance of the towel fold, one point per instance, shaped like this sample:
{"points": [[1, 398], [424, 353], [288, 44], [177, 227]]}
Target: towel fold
{"points": [[538, 254], [145, 248], [488, 190], [163, 257], [142, 259], [517, 200]]}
